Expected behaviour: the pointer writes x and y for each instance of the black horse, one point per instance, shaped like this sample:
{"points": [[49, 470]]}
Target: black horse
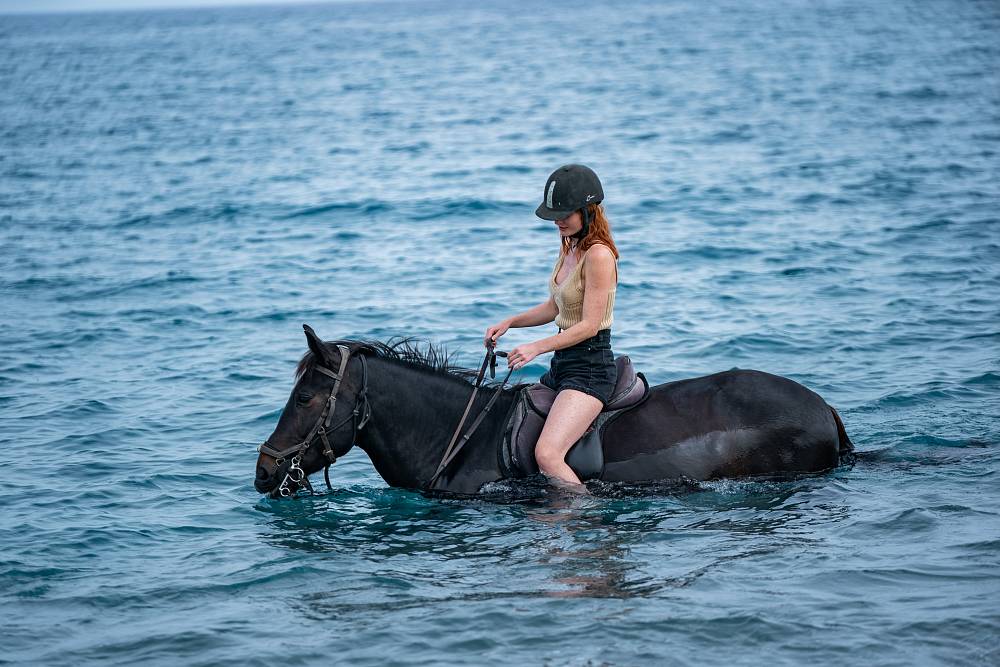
{"points": [[401, 406]]}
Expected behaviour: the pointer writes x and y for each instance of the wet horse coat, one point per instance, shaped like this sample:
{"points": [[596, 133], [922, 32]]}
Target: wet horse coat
{"points": [[736, 423]]}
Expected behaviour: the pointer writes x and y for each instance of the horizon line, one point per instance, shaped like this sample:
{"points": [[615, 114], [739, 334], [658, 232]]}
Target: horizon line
{"points": [[167, 5]]}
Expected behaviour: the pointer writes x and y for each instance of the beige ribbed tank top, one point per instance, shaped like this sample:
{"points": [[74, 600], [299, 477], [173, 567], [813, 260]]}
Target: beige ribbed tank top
{"points": [[568, 295]]}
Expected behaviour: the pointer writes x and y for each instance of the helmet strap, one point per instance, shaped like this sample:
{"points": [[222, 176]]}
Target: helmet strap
{"points": [[582, 234]]}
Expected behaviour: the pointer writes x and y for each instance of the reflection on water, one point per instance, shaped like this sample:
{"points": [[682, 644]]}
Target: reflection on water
{"points": [[593, 562], [388, 549]]}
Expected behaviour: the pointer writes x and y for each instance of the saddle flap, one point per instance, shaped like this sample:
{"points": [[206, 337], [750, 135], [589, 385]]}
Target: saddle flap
{"points": [[585, 457], [541, 398]]}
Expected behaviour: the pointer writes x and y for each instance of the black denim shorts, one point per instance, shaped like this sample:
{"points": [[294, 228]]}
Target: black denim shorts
{"points": [[588, 366]]}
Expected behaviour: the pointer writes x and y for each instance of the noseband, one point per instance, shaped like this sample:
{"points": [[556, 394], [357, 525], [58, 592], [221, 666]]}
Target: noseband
{"points": [[359, 417]]}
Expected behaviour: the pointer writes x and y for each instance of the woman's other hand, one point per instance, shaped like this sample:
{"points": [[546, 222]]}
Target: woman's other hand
{"points": [[494, 332], [522, 355]]}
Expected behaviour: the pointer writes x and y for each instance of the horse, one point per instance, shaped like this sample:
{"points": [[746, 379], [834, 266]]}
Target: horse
{"points": [[400, 405]]}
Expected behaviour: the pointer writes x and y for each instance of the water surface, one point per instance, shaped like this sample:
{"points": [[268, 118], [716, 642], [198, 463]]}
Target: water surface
{"points": [[810, 189]]}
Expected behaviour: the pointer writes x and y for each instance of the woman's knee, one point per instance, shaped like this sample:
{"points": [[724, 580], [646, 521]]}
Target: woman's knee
{"points": [[548, 455]]}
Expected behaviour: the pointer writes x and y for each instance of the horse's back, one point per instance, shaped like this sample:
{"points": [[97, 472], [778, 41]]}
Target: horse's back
{"points": [[731, 424]]}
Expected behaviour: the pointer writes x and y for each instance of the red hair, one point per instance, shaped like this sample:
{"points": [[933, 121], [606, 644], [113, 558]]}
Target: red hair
{"points": [[599, 232]]}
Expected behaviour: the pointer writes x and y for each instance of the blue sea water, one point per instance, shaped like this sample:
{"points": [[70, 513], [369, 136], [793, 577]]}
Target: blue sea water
{"points": [[807, 188]]}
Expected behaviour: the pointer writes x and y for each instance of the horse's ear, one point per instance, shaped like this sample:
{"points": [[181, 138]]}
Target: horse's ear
{"points": [[315, 344]]}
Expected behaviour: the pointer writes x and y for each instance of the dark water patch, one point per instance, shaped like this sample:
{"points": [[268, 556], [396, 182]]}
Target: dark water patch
{"points": [[150, 284], [934, 441], [34, 283], [739, 134], [79, 408], [428, 211], [362, 208], [913, 521], [933, 224], [988, 547], [149, 314], [707, 252], [890, 578], [956, 636], [23, 580], [346, 236], [246, 377], [814, 170], [288, 178], [983, 336], [943, 276], [743, 346], [811, 198], [933, 395], [913, 123], [412, 148], [796, 271], [986, 136], [513, 169], [222, 212], [647, 206], [988, 379], [451, 173], [165, 645], [297, 315], [884, 184], [643, 137], [917, 93]]}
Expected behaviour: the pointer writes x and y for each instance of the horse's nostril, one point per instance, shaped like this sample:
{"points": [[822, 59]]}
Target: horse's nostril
{"points": [[262, 474]]}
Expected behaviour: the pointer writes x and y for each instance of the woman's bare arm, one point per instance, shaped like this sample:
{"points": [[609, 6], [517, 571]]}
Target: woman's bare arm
{"points": [[543, 313]]}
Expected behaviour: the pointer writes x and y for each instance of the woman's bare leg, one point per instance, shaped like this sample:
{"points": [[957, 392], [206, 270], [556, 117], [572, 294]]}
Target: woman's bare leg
{"points": [[571, 414]]}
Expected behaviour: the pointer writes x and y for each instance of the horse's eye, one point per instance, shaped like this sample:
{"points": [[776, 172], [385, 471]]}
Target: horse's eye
{"points": [[303, 397]]}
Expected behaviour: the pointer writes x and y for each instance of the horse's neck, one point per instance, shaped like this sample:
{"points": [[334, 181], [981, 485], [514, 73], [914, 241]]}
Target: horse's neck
{"points": [[414, 415]]}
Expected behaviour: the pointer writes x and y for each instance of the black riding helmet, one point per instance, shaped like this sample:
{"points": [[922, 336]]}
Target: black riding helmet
{"points": [[570, 188]]}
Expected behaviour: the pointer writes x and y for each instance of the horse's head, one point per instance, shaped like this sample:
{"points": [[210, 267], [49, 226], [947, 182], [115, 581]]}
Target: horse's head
{"points": [[326, 409]]}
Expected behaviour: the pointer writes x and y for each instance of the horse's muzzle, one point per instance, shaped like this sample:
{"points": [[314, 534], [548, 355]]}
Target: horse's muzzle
{"points": [[265, 482]]}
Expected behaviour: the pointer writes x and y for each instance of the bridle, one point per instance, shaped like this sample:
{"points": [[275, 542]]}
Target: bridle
{"points": [[321, 429], [360, 416]]}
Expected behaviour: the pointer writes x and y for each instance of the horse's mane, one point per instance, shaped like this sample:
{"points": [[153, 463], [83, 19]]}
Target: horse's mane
{"points": [[408, 351]]}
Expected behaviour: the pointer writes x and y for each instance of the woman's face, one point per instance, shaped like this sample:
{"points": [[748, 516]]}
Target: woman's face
{"points": [[570, 225]]}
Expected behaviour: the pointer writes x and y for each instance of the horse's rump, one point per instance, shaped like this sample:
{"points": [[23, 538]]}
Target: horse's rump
{"points": [[730, 424]]}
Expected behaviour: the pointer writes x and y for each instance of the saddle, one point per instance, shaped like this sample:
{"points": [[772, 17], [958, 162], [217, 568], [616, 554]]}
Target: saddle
{"points": [[585, 457]]}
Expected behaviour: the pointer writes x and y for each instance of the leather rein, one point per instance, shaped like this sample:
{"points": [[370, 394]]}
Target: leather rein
{"points": [[456, 445], [321, 429]]}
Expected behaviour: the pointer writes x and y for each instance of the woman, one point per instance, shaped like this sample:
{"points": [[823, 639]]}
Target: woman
{"points": [[581, 301]]}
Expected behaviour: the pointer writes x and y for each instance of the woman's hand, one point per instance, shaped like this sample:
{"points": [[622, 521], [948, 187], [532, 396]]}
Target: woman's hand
{"points": [[521, 355], [494, 332]]}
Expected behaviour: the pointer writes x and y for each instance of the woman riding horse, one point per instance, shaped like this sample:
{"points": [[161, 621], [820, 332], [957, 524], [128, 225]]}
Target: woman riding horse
{"points": [[581, 302], [400, 406]]}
